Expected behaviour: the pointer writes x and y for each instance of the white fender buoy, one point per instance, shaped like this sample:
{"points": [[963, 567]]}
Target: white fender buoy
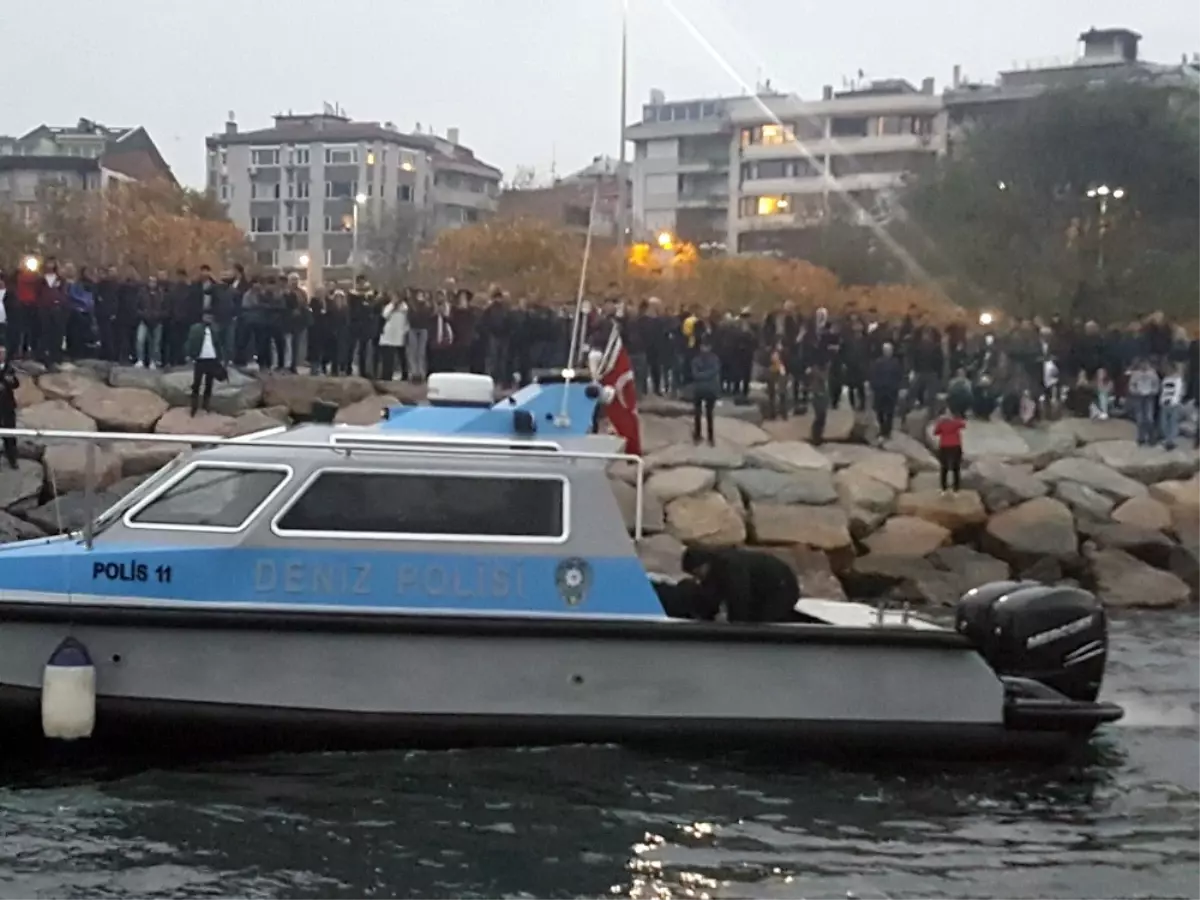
{"points": [[69, 693]]}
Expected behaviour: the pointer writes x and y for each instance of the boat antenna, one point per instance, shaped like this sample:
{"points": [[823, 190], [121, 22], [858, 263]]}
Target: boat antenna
{"points": [[564, 418]]}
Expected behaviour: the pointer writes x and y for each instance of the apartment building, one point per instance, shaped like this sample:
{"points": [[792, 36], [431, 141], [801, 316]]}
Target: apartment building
{"points": [[745, 171], [86, 155], [567, 203], [309, 189]]}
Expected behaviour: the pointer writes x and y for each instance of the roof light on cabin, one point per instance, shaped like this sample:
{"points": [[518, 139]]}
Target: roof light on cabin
{"points": [[568, 374]]}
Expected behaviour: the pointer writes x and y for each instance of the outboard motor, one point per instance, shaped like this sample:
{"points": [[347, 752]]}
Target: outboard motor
{"points": [[1057, 636]]}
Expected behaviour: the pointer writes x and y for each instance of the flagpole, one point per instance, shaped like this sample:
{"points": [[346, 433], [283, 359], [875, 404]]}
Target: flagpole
{"points": [[622, 185], [564, 418]]}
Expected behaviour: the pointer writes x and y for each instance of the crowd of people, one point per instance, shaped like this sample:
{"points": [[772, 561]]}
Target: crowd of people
{"points": [[1021, 371]]}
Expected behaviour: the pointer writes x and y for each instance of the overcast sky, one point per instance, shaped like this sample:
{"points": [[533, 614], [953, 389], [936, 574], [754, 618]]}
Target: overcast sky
{"points": [[527, 82]]}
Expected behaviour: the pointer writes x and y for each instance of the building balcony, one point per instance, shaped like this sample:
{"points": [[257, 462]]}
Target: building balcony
{"points": [[847, 146], [817, 184], [703, 200], [685, 166]]}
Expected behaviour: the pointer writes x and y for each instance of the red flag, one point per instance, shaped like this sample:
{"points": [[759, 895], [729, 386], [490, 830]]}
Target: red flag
{"points": [[616, 371]]}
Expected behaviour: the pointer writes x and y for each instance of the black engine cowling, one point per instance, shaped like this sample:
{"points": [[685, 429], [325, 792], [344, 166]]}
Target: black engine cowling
{"points": [[1057, 636]]}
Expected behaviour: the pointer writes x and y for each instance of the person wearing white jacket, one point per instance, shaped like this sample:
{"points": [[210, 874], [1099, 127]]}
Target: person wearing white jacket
{"points": [[393, 337]]}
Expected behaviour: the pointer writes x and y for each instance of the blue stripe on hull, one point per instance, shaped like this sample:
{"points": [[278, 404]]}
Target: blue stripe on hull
{"points": [[313, 577]]}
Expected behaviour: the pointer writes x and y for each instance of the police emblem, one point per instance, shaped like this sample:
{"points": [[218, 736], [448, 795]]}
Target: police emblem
{"points": [[573, 577]]}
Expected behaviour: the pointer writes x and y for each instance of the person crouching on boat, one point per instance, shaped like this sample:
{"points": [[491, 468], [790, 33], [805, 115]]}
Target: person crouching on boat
{"points": [[749, 585], [206, 352]]}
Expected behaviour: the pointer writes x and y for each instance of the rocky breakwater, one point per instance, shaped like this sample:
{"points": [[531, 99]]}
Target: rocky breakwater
{"points": [[44, 494], [1076, 500]]}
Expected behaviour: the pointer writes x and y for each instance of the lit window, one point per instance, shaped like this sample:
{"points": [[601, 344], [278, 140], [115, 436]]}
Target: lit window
{"points": [[771, 206], [778, 134], [370, 157]]}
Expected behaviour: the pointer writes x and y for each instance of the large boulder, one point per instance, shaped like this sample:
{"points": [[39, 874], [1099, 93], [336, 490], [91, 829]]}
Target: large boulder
{"points": [[1089, 431], [253, 420], [1002, 485], [813, 572], [1125, 581], [995, 439], [864, 521], [299, 392], [937, 580], [667, 484], [741, 433], [144, 457], [663, 431], [968, 567], [178, 420], [1143, 512], [54, 415], [66, 467], [889, 468], [239, 393], [1044, 446], [788, 456], [121, 409], [907, 536], [705, 519], [28, 393], [731, 493], [1144, 464], [21, 483], [1031, 531], [1149, 546], [135, 377], [843, 455], [839, 426], [1095, 475], [661, 554], [1182, 498], [916, 454], [1084, 501], [67, 384], [722, 456], [14, 529], [652, 508], [368, 411], [856, 488], [814, 486], [955, 511], [822, 527], [70, 512]]}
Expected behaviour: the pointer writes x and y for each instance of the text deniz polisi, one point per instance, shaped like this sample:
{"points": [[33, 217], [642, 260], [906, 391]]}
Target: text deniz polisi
{"points": [[130, 571], [464, 580]]}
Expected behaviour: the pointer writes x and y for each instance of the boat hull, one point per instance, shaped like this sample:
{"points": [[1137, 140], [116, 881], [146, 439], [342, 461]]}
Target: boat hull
{"points": [[299, 681]]}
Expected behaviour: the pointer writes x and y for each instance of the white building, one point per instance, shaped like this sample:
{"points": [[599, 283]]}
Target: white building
{"points": [[745, 171]]}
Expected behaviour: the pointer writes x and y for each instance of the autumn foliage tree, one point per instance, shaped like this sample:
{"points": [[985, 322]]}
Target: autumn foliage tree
{"points": [[148, 225], [533, 259]]}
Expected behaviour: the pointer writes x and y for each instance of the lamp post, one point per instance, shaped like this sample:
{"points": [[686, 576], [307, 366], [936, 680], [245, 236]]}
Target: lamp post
{"points": [[359, 200], [1101, 194], [622, 187]]}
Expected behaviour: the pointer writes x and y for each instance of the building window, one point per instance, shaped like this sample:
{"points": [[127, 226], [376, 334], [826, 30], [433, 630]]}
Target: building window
{"points": [[262, 225], [341, 190], [328, 256], [341, 156], [267, 258], [775, 135], [297, 190], [264, 156], [264, 191], [846, 126], [408, 160], [370, 157], [337, 257], [764, 206], [210, 497], [420, 505], [297, 224], [225, 192], [404, 193], [328, 226], [299, 156]]}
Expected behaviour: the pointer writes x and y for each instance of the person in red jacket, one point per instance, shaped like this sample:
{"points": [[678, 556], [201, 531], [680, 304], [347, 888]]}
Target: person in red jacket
{"points": [[23, 322], [948, 429]]}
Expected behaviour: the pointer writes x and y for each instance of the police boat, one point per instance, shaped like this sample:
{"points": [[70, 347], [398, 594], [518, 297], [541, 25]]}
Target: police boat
{"points": [[461, 573]]}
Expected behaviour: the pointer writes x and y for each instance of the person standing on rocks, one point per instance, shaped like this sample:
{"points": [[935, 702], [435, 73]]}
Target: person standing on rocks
{"points": [[8, 405], [948, 429], [886, 377], [205, 349], [706, 387], [1143, 391]]}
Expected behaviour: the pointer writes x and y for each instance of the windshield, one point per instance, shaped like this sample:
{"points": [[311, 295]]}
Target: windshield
{"points": [[143, 490]]}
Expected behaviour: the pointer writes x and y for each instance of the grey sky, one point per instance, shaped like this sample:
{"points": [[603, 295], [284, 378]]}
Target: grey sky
{"points": [[527, 82]]}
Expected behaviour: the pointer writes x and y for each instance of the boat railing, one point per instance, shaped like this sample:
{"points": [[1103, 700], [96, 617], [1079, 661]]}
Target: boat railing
{"points": [[347, 447]]}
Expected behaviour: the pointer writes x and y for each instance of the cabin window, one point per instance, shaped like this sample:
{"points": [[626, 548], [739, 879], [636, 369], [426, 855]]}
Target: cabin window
{"points": [[424, 506], [210, 497]]}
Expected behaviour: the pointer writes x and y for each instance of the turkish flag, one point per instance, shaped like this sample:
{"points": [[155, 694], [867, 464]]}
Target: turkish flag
{"points": [[615, 370]]}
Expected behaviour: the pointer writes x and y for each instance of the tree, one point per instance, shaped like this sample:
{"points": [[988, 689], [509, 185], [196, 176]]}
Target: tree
{"points": [[15, 241], [1010, 220], [392, 242], [149, 225]]}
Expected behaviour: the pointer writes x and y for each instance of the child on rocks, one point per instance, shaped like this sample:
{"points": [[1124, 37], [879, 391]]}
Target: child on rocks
{"points": [[948, 430]]}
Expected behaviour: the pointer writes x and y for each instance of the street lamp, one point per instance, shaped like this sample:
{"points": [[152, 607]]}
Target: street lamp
{"points": [[32, 264], [359, 200], [1101, 194], [303, 260], [986, 319], [665, 240]]}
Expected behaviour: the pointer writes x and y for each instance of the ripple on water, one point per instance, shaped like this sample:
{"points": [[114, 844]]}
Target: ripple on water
{"points": [[587, 821]]}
